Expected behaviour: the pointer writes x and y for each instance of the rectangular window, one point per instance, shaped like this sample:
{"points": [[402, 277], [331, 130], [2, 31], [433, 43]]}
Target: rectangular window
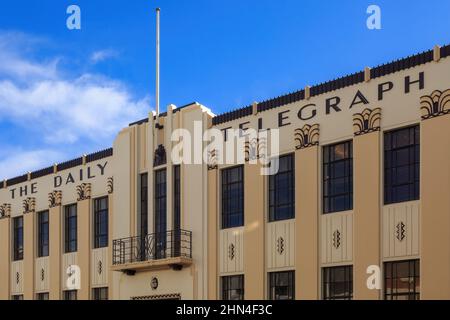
{"points": [[176, 237], [70, 228], [70, 295], [337, 283], [144, 204], [282, 190], [402, 280], [160, 213], [282, 285], [101, 222], [42, 296], [100, 294], [233, 288], [18, 239], [43, 234], [338, 177], [233, 197], [17, 297], [402, 165]]}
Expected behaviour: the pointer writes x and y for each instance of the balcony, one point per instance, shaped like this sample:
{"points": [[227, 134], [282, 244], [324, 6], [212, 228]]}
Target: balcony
{"points": [[171, 249]]}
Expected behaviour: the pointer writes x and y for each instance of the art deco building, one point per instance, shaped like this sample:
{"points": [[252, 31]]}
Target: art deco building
{"points": [[360, 200]]}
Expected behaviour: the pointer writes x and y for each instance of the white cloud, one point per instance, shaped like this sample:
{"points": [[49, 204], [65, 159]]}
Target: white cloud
{"points": [[102, 55], [65, 113], [13, 164]]}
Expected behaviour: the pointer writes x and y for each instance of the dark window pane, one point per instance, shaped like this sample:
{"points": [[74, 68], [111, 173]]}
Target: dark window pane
{"points": [[401, 159], [282, 285], [337, 283], [43, 234], [338, 177], [233, 288], [18, 238], [160, 213], [101, 222], [402, 280], [232, 197]]}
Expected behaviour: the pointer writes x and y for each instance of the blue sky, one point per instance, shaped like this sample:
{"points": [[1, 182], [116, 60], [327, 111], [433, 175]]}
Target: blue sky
{"points": [[64, 93]]}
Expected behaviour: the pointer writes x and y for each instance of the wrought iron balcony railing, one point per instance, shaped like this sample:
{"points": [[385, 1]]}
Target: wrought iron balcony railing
{"points": [[156, 246]]}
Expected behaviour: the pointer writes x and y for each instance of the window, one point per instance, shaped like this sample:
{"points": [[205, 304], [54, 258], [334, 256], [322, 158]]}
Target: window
{"points": [[100, 294], [101, 222], [18, 239], [338, 177], [233, 288], [144, 204], [233, 197], [70, 295], [160, 213], [282, 285], [402, 280], [337, 283], [43, 236], [282, 191], [402, 165], [70, 228], [17, 297], [42, 296], [176, 237]]}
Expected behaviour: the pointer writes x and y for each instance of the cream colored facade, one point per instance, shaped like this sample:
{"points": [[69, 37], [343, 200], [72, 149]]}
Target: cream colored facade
{"points": [[191, 257]]}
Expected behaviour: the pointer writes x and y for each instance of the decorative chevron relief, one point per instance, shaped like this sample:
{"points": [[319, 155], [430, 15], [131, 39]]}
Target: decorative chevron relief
{"points": [[54, 199], [29, 205], [5, 210], [213, 157], [110, 185], [367, 121], [231, 251], [336, 239], [280, 245], [400, 232], [84, 191], [307, 136], [436, 104]]}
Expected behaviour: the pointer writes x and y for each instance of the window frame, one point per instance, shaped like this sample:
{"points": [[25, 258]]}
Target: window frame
{"points": [[226, 221], [273, 185], [43, 296], [68, 295], [43, 234], [413, 265], [70, 224], [100, 294], [227, 287], [328, 279], [160, 211], [329, 165], [101, 216], [144, 204], [18, 244], [390, 155], [273, 287]]}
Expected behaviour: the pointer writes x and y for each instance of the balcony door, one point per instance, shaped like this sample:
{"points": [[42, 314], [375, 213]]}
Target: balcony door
{"points": [[160, 214]]}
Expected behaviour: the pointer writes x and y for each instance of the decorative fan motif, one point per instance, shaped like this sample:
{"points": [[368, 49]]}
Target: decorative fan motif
{"points": [[84, 191], [231, 250], [255, 148], [54, 198], [213, 157], [29, 205], [160, 156], [400, 232], [5, 210], [367, 121], [336, 239], [307, 136], [110, 185], [280, 245], [436, 104]]}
